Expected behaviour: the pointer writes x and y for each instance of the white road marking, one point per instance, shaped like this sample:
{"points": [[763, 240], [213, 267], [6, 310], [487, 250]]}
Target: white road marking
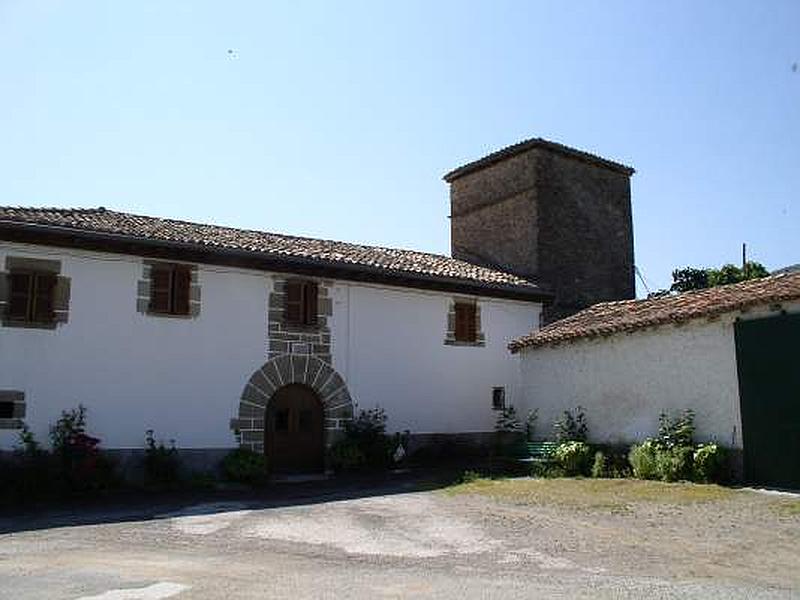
{"points": [[157, 591]]}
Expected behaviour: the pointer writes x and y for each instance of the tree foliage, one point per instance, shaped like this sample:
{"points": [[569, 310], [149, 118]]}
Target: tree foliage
{"points": [[692, 278]]}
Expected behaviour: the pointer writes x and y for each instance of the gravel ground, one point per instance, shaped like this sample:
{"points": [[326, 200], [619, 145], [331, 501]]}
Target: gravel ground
{"points": [[511, 539]]}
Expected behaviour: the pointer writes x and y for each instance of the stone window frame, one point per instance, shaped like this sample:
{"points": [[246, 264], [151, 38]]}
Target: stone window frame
{"points": [[61, 291], [285, 337], [144, 287], [18, 411], [450, 332]]}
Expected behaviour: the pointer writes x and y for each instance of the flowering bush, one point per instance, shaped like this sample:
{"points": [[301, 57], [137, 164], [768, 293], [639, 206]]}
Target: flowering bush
{"points": [[574, 457], [709, 462], [643, 460], [81, 466]]}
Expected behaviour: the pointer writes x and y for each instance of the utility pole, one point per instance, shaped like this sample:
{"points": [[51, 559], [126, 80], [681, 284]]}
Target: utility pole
{"points": [[744, 259]]}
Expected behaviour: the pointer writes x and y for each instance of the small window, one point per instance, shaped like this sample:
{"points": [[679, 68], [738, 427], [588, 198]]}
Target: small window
{"points": [[32, 297], [6, 409], [498, 398], [466, 329], [282, 420], [170, 289], [301, 303]]}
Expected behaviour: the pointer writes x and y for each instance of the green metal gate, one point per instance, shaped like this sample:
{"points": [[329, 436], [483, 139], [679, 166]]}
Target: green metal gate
{"points": [[768, 357]]}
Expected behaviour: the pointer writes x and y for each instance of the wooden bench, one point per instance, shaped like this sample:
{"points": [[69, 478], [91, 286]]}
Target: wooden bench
{"points": [[532, 451], [540, 451]]}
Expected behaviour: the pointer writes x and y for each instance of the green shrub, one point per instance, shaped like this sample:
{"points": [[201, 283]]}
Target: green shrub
{"points": [[470, 477], [643, 460], [161, 462], [675, 464], [365, 443], [573, 457], [244, 466], [530, 423], [709, 463], [507, 421], [600, 466], [347, 455], [80, 465], [677, 432], [571, 427]]}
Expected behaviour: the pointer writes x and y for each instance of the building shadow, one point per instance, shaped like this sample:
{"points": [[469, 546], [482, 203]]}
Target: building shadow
{"points": [[138, 505]]}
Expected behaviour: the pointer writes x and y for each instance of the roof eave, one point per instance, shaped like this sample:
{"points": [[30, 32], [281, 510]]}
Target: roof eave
{"points": [[509, 151], [54, 235]]}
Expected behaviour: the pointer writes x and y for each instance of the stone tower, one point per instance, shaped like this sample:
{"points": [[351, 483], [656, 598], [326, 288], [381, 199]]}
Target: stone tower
{"points": [[549, 213]]}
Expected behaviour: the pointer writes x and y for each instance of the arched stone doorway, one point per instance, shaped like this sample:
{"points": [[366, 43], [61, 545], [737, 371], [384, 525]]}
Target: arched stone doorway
{"points": [[310, 372]]}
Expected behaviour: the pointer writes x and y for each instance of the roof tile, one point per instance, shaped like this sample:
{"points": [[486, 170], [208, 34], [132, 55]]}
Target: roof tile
{"points": [[608, 318], [263, 243]]}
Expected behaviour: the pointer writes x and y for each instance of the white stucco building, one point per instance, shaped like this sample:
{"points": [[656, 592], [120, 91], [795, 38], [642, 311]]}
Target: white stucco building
{"points": [[730, 354], [190, 330], [214, 337]]}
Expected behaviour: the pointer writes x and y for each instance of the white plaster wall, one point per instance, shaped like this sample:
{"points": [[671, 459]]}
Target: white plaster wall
{"points": [[184, 377], [181, 377], [626, 380], [389, 347]]}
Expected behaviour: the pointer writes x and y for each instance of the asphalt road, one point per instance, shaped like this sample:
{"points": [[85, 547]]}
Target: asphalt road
{"points": [[393, 543]]}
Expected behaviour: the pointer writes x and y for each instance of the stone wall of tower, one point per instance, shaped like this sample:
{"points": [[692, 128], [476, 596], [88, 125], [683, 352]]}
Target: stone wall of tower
{"points": [[559, 219]]}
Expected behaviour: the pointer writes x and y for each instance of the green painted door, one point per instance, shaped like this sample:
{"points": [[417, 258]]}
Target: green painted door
{"points": [[768, 357]]}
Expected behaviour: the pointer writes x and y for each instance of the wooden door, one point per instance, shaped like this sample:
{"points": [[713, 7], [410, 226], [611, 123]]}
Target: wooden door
{"points": [[294, 430]]}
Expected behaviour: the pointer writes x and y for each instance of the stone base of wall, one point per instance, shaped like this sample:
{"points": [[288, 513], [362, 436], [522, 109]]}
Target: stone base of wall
{"points": [[130, 461], [430, 448]]}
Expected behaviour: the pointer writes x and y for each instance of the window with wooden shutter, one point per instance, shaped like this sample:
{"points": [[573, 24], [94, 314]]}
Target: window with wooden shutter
{"points": [[31, 297], [301, 303], [310, 292], [465, 330], [20, 293], [43, 292], [170, 289], [294, 302], [160, 284], [181, 289]]}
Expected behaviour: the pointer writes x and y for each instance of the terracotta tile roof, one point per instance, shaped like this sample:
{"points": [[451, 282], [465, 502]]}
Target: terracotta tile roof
{"points": [[526, 145], [408, 263], [608, 318]]}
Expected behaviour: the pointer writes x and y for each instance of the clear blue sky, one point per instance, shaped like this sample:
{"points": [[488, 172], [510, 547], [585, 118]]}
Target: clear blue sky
{"points": [[338, 119]]}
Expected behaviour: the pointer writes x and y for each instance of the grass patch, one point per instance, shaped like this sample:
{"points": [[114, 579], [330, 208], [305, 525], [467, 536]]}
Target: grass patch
{"points": [[789, 508], [614, 494]]}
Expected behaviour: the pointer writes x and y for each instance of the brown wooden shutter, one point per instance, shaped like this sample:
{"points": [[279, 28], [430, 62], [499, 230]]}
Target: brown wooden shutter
{"points": [[160, 280], [311, 293], [44, 287], [182, 285], [472, 329], [61, 299], [20, 285], [294, 302], [465, 322]]}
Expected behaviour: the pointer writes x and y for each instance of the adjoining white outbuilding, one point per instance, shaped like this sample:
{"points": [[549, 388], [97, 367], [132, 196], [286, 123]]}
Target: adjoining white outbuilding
{"points": [[728, 353]]}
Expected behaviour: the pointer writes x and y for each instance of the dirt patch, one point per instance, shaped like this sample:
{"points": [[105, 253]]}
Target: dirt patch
{"points": [[411, 525], [647, 528]]}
